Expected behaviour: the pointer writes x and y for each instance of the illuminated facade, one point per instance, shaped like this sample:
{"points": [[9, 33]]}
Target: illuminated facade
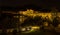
{"points": [[32, 13]]}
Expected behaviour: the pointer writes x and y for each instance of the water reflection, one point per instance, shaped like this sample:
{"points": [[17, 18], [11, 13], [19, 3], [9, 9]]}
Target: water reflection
{"points": [[30, 29]]}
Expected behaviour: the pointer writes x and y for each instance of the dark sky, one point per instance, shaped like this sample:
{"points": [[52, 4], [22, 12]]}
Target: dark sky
{"points": [[22, 3], [26, 2], [19, 2]]}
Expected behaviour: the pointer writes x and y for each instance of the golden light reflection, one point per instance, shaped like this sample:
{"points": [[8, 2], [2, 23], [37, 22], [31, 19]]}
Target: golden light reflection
{"points": [[33, 14], [45, 24], [22, 18], [10, 30], [33, 28], [58, 25]]}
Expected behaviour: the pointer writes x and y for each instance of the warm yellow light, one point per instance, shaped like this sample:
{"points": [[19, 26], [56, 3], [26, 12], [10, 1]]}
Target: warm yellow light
{"points": [[59, 25], [33, 14], [45, 23], [22, 19], [10, 30], [33, 28], [23, 29]]}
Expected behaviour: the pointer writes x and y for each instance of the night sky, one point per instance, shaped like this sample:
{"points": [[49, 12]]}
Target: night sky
{"points": [[38, 3], [25, 2]]}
